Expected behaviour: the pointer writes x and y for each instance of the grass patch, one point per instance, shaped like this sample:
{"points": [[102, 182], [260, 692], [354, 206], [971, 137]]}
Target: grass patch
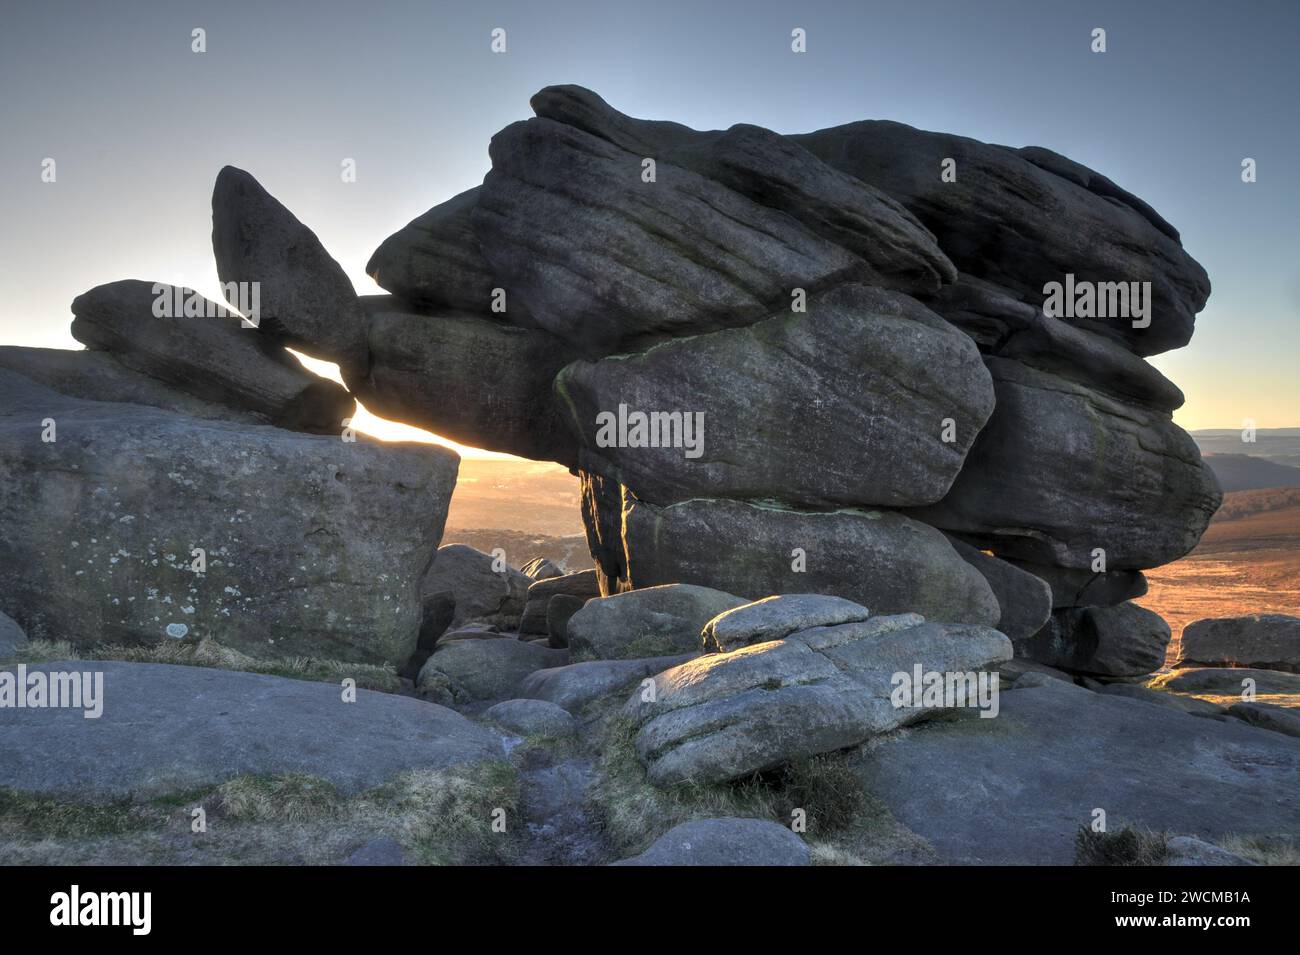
{"points": [[1127, 846], [440, 817], [209, 653], [845, 824], [1266, 850]]}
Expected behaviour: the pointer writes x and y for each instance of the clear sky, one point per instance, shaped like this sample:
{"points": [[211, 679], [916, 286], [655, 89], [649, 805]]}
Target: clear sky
{"points": [[138, 126]]}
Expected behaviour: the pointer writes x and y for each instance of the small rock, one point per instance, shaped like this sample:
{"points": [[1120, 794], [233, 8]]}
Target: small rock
{"points": [[775, 618], [580, 684], [559, 611], [532, 718], [466, 671], [1264, 641], [1186, 850], [12, 637], [725, 841], [654, 621]]}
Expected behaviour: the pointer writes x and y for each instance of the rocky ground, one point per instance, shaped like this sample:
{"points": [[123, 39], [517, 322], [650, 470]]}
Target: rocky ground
{"points": [[865, 522]]}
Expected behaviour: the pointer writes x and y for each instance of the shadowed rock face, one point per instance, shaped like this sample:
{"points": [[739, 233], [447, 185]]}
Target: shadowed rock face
{"points": [[1124, 640], [879, 559], [306, 300], [1061, 469], [1022, 223], [842, 405], [208, 356], [472, 379], [312, 546]]}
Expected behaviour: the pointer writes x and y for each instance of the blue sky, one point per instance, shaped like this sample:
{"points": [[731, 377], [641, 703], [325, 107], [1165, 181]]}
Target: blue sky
{"points": [[139, 125]]}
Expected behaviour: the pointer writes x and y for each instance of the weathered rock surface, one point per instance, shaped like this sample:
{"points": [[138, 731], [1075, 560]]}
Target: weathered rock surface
{"points": [[98, 376], [580, 583], [1041, 483], [531, 718], [468, 671], [1124, 640], [168, 729], [481, 592], [12, 638], [1175, 701], [305, 298], [1024, 599], [434, 262], [724, 716], [775, 618], [578, 685], [472, 379], [1279, 719], [541, 568], [879, 559], [655, 621], [312, 546], [1228, 681], [1030, 778], [1077, 587], [207, 355], [559, 611], [1186, 850], [1022, 223], [1264, 641], [821, 441], [603, 258], [725, 842], [383, 851]]}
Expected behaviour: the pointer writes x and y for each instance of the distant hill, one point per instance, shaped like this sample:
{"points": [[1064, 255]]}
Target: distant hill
{"points": [[1244, 472], [1279, 445]]}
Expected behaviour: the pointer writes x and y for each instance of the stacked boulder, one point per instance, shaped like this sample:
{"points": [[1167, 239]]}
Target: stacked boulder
{"points": [[186, 478], [819, 363]]}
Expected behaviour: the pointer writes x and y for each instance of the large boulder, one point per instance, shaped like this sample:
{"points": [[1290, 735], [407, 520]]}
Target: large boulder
{"points": [[468, 671], [1084, 587], [725, 716], [1124, 640], [1016, 790], [568, 217], [655, 621], [1061, 470], [1025, 600], [1267, 641], [207, 355], [887, 400], [166, 730], [305, 299], [311, 546], [725, 842], [434, 262], [1023, 219], [879, 559], [484, 589], [101, 377], [474, 380]]}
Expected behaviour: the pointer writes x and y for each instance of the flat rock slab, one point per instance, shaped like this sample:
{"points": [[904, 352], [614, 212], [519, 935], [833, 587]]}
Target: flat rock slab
{"points": [[1016, 789], [580, 684], [167, 728]]}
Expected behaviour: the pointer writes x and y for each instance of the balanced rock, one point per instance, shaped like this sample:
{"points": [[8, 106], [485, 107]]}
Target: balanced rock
{"points": [[304, 297], [1124, 640], [1022, 220], [484, 589], [207, 354], [724, 716], [879, 559], [775, 618], [694, 403], [1040, 483], [654, 621], [1264, 641], [477, 381], [135, 525]]}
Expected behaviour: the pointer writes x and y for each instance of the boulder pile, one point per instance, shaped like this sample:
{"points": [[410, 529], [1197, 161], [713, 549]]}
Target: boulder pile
{"points": [[836, 363]]}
